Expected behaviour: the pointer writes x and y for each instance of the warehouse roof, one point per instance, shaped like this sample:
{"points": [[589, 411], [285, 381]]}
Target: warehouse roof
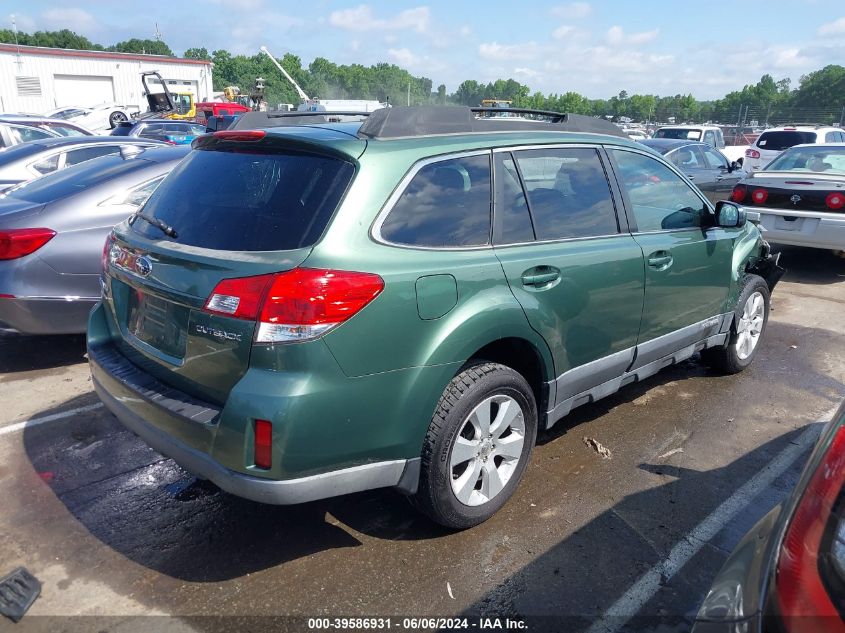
{"points": [[107, 55]]}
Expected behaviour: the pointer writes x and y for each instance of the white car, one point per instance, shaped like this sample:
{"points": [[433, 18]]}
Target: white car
{"points": [[800, 196], [771, 143], [97, 118]]}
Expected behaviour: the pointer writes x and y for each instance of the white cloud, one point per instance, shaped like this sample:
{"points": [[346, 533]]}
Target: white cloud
{"points": [[402, 56], [837, 27], [528, 73], [72, 18], [494, 50], [616, 35], [573, 10], [465, 31], [361, 18], [563, 31]]}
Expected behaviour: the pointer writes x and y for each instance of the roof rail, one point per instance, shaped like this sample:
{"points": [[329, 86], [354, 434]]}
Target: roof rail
{"points": [[261, 120], [405, 121]]}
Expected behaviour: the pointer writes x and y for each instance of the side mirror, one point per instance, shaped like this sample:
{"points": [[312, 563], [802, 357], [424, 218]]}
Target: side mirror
{"points": [[729, 215], [736, 164]]}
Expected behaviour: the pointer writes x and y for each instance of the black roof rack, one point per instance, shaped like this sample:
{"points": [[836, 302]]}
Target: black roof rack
{"points": [[403, 121], [262, 120]]}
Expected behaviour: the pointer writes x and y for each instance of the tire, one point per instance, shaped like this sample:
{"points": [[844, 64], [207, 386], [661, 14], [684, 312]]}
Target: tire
{"points": [[456, 493], [750, 319], [117, 117]]}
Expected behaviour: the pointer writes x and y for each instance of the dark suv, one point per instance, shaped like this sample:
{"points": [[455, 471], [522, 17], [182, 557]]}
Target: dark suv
{"points": [[405, 302]]}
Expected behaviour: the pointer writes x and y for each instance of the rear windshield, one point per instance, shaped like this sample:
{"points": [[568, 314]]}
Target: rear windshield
{"points": [[816, 159], [248, 201], [679, 133], [122, 129], [780, 141]]}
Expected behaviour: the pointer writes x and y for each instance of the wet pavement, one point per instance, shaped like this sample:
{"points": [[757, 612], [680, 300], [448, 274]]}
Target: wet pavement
{"points": [[113, 529]]}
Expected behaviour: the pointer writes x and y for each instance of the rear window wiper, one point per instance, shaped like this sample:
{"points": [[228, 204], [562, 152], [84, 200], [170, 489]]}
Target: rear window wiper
{"points": [[168, 230]]}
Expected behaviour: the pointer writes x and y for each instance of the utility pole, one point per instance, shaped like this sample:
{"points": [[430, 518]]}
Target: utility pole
{"points": [[739, 118], [18, 61]]}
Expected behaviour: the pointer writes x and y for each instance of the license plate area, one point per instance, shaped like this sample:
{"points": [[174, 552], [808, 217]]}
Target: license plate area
{"points": [[161, 324]]}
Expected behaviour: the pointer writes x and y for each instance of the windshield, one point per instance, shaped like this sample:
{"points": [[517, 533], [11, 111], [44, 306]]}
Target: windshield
{"points": [[259, 200], [816, 159], [678, 133]]}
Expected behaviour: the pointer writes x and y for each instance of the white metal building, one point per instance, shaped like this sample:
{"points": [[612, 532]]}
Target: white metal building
{"points": [[35, 79]]}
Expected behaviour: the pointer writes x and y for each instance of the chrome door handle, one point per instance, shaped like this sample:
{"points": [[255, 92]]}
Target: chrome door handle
{"points": [[661, 260]]}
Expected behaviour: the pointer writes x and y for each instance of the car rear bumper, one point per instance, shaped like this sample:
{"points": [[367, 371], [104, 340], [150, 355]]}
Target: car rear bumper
{"points": [[127, 392], [815, 229], [46, 315]]}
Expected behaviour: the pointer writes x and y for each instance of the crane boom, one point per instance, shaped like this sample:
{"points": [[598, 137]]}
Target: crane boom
{"points": [[299, 90]]}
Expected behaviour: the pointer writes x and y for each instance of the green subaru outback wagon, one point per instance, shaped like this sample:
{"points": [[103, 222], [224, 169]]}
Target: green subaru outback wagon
{"points": [[304, 311]]}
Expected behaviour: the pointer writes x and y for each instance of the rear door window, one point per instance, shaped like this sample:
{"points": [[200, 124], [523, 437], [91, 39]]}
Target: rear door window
{"points": [[446, 204], [781, 140], [24, 134], [689, 157], [261, 200], [568, 193], [513, 222]]}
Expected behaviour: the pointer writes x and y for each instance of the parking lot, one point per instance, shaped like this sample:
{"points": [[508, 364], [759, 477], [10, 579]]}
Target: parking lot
{"points": [[113, 529]]}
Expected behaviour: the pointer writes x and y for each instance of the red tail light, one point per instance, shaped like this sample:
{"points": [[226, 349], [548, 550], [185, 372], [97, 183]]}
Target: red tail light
{"points": [[240, 135], [107, 250], [752, 153], [263, 447], [15, 243], [835, 200], [804, 602], [738, 194], [759, 196], [297, 305]]}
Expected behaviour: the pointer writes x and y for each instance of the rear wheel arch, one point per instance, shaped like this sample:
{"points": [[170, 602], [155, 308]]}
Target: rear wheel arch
{"points": [[523, 357]]}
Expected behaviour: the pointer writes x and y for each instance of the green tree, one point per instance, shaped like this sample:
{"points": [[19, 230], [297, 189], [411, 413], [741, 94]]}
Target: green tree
{"points": [[197, 53], [135, 45]]}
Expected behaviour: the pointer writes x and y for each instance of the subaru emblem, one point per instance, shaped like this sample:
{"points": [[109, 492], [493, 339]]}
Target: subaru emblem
{"points": [[143, 266], [795, 199]]}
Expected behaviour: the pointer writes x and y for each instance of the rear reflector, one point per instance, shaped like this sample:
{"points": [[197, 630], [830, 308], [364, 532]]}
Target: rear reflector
{"points": [[240, 135], [802, 597], [263, 444], [15, 243], [298, 305], [7, 296]]}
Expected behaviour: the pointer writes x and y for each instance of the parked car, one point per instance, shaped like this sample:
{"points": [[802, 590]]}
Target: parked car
{"points": [[36, 158], [52, 232], [169, 131], [340, 308], [59, 126], [773, 141], [710, 134], [97, 118], [788, 572], [12, 134], [706, 166], [800, 196]]}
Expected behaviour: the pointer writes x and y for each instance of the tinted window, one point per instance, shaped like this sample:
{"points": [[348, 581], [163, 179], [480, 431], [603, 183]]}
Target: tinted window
{"points": [[714, 158], [710, 138], [76, 156], [660, 200], [568, 194], [137, 196], [47, 165], [65, 130], [512, 218], [24, 134], [679, 133], [122, 129], [447, 203], [256, 201], [689, 157], [780, 141]]}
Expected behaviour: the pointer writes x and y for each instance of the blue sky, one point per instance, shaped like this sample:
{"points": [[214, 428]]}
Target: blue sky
{"points": [[596, 48]]}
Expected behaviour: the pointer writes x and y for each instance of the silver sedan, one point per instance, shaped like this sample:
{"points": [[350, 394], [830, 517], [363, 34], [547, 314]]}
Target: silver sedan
{"points": [[52, 232]]}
